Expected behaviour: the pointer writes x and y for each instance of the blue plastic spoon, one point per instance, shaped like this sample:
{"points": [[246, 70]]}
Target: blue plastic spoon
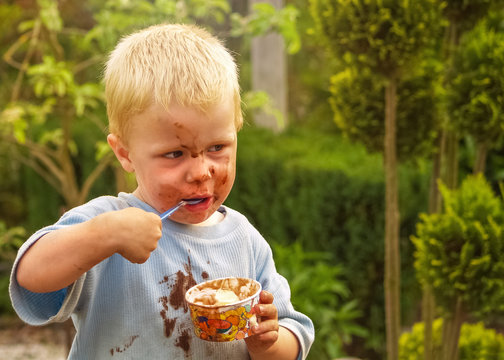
{"points": [[170, 212]]}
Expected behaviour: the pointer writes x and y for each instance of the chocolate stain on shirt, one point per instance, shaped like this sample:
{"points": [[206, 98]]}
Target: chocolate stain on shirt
{"points": [[184, 341], [178, 284], [181, 285], [204, 275], [169, 324], [125, 347]]}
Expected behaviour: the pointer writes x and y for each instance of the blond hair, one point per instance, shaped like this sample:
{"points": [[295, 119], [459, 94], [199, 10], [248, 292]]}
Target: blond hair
{"points": [[165, 63]]}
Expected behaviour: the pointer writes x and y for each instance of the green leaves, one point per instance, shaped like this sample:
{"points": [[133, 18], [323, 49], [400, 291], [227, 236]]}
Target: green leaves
{"points": [[328, 305], [12, 121], [50, 78], [383, 35], [358, 103], [17, 118], [10, 241], [49, 14], [261, 100], [87, 95], [476, 342], [265, 18], [459, 252], [474, 96]]}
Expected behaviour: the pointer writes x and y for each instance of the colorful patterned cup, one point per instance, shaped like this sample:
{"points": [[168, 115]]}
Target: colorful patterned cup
{"points": [[227, 322]]}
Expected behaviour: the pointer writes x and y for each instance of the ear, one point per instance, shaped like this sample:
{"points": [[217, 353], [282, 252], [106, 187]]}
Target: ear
{"points": [[121, 152]]}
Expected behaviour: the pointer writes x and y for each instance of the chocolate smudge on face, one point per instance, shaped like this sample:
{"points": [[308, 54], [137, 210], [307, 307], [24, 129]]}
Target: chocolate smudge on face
{"points": [[125, 347]]}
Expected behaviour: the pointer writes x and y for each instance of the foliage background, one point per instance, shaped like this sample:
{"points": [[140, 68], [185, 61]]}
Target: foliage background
{"points": [[315, 194]]}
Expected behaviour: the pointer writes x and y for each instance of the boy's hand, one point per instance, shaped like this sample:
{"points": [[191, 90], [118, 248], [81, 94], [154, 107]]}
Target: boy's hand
{"points": [[265, 334], [136, 233]]}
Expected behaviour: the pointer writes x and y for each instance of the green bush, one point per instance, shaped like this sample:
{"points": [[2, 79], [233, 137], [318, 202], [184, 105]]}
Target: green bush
{"points": [[10, 241], [328, 195], [476, 342], [328, 304], [460, 251]]}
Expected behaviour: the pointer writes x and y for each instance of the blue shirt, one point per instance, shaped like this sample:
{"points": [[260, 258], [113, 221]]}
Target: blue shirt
{"points": [[123, 310]]}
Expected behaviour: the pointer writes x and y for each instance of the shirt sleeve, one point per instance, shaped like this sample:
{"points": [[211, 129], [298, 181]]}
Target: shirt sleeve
{"points": [[44, 308], [299, 324]]}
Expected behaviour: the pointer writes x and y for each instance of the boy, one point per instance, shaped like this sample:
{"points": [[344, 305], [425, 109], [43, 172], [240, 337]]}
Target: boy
{"points": [[121, 273]]}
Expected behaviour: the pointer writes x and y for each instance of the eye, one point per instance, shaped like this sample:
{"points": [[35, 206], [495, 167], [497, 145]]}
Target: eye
{"points": [[215, 148], [173, 154]]}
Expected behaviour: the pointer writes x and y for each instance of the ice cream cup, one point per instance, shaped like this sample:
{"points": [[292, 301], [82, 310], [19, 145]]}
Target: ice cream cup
{"points": [[227, 322]]}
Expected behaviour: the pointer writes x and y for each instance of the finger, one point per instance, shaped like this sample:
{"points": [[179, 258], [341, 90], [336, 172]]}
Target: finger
{"points": [[266, 337], [266, 311], [265, 327], [265, 297]]}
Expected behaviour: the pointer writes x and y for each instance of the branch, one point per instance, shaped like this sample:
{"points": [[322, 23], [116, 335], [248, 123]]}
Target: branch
{"points": [[45, 156], [87, 63], [44, 174], [30, 146], [8, 56], [90, 180], [98, 122], [24, 66]]}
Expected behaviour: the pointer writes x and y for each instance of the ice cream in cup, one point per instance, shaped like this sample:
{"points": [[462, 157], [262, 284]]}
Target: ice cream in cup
{"points": [[223, 309]]}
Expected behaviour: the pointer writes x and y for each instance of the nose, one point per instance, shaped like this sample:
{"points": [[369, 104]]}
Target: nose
{"points": [[198, 169]]}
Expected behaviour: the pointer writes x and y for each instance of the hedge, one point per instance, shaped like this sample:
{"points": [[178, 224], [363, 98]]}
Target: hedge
{"points": [[328, 194]]}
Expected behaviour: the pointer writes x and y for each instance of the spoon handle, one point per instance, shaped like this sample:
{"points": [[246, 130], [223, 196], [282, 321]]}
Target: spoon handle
{"points": [[170, 212]]}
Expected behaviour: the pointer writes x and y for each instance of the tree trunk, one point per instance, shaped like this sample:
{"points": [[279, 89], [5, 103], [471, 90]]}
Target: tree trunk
{"points": [[451, 332], [428, 309], [428, 300], [450, 175], [269, 73], [451, 169], [481, 155], [437, 161], [392, 257]]}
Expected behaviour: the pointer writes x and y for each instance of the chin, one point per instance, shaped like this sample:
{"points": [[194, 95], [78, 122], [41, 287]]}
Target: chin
{"points": [[192, 219]]}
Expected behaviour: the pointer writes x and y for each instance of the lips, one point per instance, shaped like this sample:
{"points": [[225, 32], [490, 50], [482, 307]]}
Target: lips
{"points": [[194, 201], [198, 203]]}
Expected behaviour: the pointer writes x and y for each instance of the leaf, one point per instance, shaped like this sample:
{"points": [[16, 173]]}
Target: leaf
{"points": [[13, 120], [49, 14], [102, 149], [26, 25]]}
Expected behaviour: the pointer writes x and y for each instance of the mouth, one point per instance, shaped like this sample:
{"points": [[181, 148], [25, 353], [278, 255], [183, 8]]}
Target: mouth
{"points": [[194, 201]]}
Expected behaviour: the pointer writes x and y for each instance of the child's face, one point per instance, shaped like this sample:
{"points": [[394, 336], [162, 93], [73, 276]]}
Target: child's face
{"points": [[181, 154]]}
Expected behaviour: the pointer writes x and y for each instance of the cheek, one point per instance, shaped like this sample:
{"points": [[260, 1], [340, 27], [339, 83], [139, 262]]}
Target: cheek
{"points": [[164, 193], [224, 175], [166, 198]]}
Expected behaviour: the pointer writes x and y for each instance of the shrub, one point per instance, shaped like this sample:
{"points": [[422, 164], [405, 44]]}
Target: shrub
{"points": [[460, 252], [328, 304], [327, 194], [476, 342], [10, 241]]}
